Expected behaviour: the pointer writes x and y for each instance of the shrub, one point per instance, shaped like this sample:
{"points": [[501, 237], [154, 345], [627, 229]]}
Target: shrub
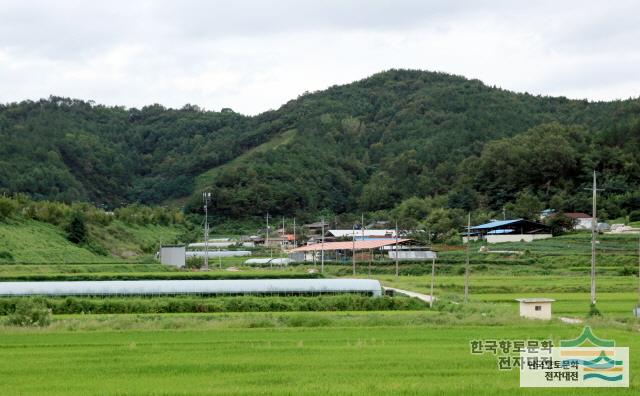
{"points": [[634, 216], [30, 312], [6, 256], [7, 207], [627, 271], [594, 311], [178, 304]]}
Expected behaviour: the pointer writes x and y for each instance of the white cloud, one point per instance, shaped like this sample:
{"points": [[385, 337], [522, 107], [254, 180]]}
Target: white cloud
{"points": [[256, 55]]}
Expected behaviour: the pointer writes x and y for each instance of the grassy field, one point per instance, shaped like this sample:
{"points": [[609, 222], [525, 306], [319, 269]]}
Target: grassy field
{"points": [[336, 357]]}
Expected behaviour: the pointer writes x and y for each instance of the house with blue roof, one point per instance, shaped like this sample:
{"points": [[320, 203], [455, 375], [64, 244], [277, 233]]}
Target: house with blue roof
{"points": [[517, 230]]}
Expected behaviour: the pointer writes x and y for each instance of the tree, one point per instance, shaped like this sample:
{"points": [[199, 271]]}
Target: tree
{"points": [[527, 206], [560, 223], [77, 230]]}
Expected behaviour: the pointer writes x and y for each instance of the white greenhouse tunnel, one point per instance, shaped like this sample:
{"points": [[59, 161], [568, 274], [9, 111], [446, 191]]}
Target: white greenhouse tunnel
{"points": [[196, 287]]}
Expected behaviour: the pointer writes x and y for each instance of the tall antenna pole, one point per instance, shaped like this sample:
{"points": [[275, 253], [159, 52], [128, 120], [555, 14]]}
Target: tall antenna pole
{"points": [[353, 250], [397, 266], [322, 247], [206, 196], [594, 226], [466, 267]]}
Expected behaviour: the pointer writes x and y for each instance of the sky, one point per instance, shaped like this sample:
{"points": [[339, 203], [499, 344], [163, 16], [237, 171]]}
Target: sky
{"points": [[253, 56]]}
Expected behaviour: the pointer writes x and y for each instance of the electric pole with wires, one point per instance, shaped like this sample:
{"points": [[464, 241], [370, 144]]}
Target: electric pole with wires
{"points": [[206, 198]]}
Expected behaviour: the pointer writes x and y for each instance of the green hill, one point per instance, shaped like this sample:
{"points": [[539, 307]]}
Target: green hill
{"points": [[364, 146]]}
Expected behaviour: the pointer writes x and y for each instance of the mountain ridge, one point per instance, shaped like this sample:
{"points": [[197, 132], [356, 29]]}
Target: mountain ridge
{"points": [[363, 146]]}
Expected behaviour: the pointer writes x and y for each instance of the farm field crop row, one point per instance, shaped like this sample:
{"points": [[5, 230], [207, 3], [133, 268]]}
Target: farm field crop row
{"points": [[423, 359]]}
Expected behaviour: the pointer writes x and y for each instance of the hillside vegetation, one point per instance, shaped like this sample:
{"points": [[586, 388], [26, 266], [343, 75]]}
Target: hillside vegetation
{"points": [[50, 232], [367, 146]]}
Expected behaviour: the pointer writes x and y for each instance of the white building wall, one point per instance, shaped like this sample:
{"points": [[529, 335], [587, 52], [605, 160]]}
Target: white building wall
{"points": [[528, 310], [583, 224], [516, 237], [173, 255]]}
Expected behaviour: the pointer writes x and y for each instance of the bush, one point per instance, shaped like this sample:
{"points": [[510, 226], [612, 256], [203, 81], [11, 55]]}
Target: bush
{"points": [[30, 312], [634, 216], [627, 271], [180, 304], [7, 207], [6, 256], [594, 311]]}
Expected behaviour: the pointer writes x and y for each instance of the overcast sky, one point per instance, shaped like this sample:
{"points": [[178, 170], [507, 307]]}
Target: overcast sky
{"points": [[255, 55]]}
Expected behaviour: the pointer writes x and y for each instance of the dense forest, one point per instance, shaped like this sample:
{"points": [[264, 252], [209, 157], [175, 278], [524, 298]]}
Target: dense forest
{"points": [[412, 142]]}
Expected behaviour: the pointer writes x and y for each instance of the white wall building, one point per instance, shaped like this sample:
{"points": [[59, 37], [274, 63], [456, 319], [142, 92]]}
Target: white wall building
{"points": [[173, 255], [535, 308]]}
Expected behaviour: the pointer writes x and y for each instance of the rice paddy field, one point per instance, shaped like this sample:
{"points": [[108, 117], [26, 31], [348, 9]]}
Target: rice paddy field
{"points": [[411, 351], [399, 353]]}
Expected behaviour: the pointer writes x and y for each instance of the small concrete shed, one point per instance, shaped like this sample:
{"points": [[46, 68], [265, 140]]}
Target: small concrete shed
{"points": [[535, 308]]}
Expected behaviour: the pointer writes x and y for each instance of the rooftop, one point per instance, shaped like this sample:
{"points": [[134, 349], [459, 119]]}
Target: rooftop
{"points": [[577, 215], [535, 300], [358, 245]]}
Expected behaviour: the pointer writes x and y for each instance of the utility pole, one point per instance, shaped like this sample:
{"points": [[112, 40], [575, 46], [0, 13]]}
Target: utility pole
{"points": [[353, 253], [295, 241], [466, 267], [504, 213], [433, 276], [594, 231], [322, 247], [397, 266], [206, 197], [266, 239]]}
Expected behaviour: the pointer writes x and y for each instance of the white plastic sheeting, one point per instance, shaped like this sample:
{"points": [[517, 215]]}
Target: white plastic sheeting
{"points": [[220, 253], [169, 287], [211, 244], [413, 255], [273, 261]]}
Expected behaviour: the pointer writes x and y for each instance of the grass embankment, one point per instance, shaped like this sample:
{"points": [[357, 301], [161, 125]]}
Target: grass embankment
{"points": [[31, 241], [317, 358], [165, 273]]}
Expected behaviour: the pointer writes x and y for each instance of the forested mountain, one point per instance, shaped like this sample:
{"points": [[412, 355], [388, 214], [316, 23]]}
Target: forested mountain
{"points": [[365, 146]]}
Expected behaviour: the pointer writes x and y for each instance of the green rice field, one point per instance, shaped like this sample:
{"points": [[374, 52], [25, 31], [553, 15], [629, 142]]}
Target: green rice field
{"points": [[329, 357]]}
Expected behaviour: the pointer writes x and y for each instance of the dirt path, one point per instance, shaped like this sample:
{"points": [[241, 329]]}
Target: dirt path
{"points": [[424, 297]]}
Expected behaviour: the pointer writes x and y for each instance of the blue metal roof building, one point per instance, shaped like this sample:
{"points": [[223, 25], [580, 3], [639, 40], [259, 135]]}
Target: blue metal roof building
{"points": [[516, 226]]}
